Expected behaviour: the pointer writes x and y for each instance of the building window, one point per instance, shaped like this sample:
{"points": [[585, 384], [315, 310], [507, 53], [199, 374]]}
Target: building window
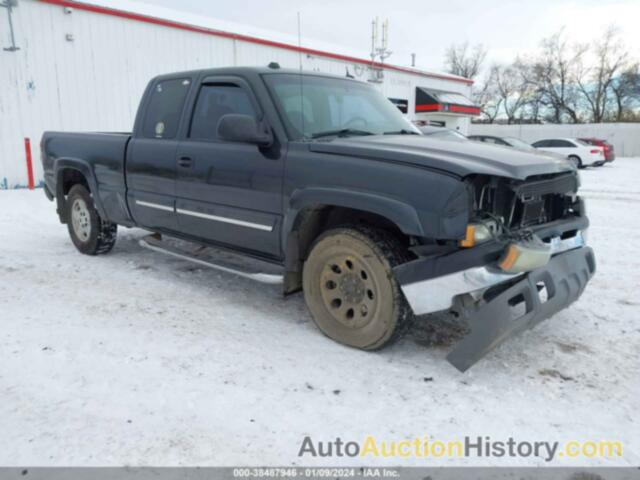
{"points": [[401, 103]]}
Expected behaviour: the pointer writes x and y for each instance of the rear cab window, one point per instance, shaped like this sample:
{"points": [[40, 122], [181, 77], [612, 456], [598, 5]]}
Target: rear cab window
{"points": [[166, 103]]}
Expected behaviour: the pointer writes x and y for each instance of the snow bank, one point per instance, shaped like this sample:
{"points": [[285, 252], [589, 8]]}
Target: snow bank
{"points": [[135, 358]]}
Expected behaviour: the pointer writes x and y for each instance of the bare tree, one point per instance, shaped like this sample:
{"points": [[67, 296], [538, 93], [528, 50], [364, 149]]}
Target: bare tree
{"points": [[594, 83], [533, 96], [563, 82], [486, 96], [554, 72], [626, 91], [511, 88], [465, 61]]}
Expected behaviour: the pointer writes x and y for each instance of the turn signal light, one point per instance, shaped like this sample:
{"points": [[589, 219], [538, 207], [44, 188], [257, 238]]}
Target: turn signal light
{"points": [[476, 233], [524, 257]]}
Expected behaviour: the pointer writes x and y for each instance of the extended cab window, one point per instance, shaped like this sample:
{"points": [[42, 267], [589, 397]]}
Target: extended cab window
{"points": [[213, 102], [165, 107]]}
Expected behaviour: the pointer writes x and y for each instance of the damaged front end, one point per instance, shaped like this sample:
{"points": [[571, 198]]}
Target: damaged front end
{"points": [[523, 258]]}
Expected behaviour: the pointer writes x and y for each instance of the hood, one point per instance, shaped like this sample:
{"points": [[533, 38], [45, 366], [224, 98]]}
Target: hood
{"points": [[458, 158]]}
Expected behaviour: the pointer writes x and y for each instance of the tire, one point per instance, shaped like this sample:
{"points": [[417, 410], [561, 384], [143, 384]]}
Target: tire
{"points": [[89, 233], [576, 161], [350, 289]]}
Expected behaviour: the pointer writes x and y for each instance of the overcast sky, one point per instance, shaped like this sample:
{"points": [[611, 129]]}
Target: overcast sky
{"points": [[427, 27]]}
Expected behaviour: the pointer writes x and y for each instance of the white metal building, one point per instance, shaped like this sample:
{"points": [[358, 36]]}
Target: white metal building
{"points": [[67, 65]]}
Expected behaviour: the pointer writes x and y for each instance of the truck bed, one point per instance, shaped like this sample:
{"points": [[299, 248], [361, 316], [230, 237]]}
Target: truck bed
{"points": [[102, 157]]}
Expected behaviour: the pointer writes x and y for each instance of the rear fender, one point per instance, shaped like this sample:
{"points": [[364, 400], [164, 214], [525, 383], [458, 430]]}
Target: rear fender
{"points": [[85, 169]]}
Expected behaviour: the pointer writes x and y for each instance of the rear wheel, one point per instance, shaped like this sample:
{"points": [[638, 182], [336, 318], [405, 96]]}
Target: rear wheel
{"points": [[350, 289], [88, 231], [575, 160]]}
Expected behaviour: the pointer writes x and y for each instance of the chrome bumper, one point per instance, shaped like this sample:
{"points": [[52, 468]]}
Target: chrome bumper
{"points": [[436, 294]]}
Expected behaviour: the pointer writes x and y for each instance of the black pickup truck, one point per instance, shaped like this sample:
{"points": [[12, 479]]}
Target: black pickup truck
{"points": [[324, 178]]}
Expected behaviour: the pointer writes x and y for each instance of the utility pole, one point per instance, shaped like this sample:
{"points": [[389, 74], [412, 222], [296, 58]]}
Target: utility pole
{"points": [[9, 4]]}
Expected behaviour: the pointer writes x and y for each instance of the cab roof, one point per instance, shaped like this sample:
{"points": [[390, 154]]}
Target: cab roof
{"points": [[249, 72]]}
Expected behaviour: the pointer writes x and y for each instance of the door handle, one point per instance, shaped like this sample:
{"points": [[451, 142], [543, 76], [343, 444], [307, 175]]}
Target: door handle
{"points": [[185, 162]]}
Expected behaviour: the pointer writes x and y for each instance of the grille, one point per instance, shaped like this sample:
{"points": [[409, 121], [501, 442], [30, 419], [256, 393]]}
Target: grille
{"points": [[525, 204], [559, 185]]}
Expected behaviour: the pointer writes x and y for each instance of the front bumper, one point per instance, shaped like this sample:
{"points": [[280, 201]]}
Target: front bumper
{"points": [[436, 294], [594, 162], [491, 318], [521, 306]]}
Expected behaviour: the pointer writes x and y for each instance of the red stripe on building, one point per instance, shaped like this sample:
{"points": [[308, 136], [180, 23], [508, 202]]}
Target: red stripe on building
{"points": [[244, 38], [460, 109], [429, 108], [437, 107]]}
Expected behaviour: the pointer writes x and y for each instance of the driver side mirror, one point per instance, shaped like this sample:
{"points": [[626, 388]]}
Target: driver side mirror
{"points": [[235, 127]]}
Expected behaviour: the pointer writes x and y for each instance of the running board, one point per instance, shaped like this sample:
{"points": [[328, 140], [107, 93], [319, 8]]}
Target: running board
{"points": [[223, 261]]}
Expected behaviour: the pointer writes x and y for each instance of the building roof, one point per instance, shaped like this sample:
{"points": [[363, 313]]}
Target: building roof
{"points": [[431, 100], [171, 18]]}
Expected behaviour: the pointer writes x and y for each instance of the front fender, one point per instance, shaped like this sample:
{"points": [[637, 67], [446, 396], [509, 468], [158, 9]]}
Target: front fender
{"points": [[403, 215]]}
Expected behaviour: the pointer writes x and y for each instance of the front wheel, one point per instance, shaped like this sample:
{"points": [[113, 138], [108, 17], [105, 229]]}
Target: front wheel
{"points": [[88, 231], [350, 289]]}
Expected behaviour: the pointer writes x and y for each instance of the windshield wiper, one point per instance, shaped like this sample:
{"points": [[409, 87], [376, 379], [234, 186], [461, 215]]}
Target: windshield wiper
{"points": [[402, 132], [343, 132]]}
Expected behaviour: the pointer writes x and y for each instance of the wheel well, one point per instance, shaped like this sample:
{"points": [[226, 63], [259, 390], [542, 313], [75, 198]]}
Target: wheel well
{"points": [[71, 177], [67, 178], [311, 222]]}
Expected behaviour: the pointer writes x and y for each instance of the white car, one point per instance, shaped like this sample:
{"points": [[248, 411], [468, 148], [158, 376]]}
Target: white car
{"points": [[580, 153]]}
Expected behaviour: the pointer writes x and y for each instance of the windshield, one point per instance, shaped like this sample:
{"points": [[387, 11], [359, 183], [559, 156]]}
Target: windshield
{"points": [[316, 107], [517, 143]]}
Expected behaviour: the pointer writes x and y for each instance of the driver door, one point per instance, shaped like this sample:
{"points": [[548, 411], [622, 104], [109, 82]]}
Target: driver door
{"points": [[228, 192]]}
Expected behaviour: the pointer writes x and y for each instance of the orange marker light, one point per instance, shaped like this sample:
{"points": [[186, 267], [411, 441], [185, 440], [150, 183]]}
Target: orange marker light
{"points": [[469, 239], [510, 258], [475, 234]]}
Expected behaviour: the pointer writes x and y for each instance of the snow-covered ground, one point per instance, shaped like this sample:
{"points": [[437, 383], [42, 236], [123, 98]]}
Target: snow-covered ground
{"points": [[136, 358]]}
